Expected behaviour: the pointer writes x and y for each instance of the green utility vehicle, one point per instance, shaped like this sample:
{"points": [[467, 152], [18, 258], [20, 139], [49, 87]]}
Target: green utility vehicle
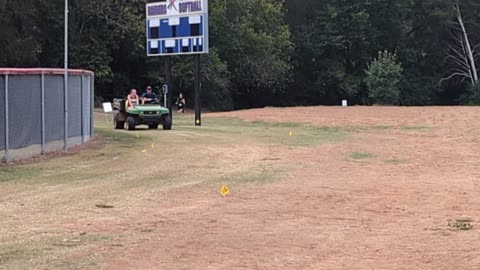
{"points": [[151, 115]]}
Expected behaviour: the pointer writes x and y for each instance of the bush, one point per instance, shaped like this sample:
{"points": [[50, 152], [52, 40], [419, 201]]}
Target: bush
{"points": [[471, 96], [383, 77], [416, 90]]}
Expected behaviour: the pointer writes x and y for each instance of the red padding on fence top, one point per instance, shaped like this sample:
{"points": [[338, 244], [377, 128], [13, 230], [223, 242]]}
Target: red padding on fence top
{"points": [[34, 71]]}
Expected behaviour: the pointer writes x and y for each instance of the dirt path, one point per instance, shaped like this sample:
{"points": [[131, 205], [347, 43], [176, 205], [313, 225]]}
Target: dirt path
{"points": [[389, 210]]}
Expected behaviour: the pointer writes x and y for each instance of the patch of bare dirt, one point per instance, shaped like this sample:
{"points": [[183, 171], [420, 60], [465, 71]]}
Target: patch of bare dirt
{"points": [[334, 213]]}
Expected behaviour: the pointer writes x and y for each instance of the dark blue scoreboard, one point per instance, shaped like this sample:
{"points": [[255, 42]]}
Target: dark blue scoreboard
{"points": [[177, 27]]}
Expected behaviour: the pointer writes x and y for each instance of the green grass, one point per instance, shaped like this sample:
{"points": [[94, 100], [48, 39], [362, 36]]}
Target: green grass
{"points": [[416, 128], [385, 128], [361, 155], [265, 173], [279, 124], [18, 173], [368, 128], [461, 224], [117, 145], [394, 161], [291, 134], [71, 167], [50, 253], [13, 254], [380, 127], [263, 177]]}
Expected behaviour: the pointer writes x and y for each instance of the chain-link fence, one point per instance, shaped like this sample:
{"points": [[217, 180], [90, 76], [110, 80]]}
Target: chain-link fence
{"points": [[37, 117]]}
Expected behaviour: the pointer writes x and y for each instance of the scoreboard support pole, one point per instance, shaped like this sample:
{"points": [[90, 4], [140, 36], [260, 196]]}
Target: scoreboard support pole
{"points": [[178, 27], [198, 103], [168, 82]]}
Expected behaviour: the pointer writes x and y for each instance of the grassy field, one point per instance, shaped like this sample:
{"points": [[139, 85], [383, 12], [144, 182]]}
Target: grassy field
{"points": [[123, 170], [326, 188]]}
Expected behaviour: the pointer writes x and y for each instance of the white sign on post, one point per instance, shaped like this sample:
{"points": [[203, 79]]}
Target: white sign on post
{"points": [[107, 107]]}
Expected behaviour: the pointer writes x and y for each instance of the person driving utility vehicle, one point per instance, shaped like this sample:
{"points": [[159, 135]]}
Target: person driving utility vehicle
{"points": [[149, 96]]}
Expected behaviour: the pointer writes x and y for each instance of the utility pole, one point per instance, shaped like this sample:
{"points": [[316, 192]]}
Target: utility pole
{"points": [[169, 83], [198, 102]]}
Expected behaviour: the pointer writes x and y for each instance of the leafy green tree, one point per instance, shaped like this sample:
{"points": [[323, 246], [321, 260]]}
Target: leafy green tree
{"points": [[334, 42], [254, 42], [19, 35], [383, 77], [264, 52], [215, 78]]}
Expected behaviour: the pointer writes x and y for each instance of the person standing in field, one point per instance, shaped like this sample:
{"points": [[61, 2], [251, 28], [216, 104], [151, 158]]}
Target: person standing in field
{"points": [[181, 103]]}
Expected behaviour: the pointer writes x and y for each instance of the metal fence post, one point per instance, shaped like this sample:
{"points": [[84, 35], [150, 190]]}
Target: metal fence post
{"points": [[92, 105], [6, 157], [43, 114], [65, 115], [66, 75], [82, 116]]}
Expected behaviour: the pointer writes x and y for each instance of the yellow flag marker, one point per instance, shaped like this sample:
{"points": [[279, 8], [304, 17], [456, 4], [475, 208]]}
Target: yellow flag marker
{"points": [[291, 133], [138, 135], [153, 146], [224, 191]]}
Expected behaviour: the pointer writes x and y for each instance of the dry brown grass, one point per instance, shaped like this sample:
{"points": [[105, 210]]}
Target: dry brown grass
{"points": [[125, 171], [312, 188]]}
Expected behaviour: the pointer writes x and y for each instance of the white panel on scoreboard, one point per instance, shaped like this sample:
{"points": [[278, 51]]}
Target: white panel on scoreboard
{"points": [[169, 43], [194, 20], [155, 23], [174, 21]]}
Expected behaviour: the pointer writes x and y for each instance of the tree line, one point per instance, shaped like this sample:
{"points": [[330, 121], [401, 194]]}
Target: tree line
{"points": [[267, 52]]}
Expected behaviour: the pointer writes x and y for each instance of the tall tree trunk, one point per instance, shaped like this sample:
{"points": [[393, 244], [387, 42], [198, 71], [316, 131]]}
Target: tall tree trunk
{"points": [[467, 44]]}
